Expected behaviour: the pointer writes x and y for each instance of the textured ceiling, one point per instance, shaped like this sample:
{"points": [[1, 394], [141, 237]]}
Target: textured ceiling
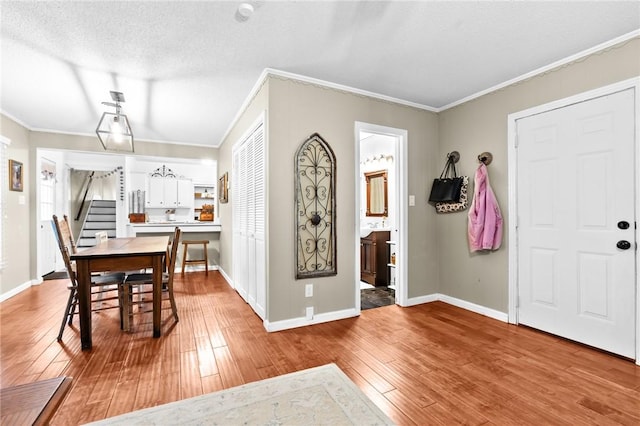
{"points": [[186, 67]]}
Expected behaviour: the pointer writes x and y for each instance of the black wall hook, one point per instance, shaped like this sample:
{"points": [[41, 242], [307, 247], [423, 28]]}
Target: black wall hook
{"points": [[454, 156]]}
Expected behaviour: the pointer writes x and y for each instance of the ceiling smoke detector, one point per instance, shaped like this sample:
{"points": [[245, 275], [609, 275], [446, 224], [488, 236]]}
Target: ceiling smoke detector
{"points": [[245, 10]]}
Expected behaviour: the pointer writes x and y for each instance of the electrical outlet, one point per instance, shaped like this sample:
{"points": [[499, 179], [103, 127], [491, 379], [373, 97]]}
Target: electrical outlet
{"points": [[309, 312], [308, 290], [412, 200]]}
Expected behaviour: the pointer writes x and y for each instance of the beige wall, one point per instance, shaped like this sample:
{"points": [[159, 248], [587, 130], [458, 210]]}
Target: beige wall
{"points": [[438, 256], [257, 106], [17, 232], [21, 219], [296, 111], [481, 125]]}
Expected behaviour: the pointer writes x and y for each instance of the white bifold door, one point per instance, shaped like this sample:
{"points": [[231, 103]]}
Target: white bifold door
{"points": [[576, 222], [248, 206]]}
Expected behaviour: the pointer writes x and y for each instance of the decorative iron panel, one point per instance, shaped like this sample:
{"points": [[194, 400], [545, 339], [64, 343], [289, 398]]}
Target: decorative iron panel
{"points": [[315, 209]]}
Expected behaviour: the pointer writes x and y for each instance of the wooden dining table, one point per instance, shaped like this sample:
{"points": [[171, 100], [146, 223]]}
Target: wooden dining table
{"points": [[118, 254]]}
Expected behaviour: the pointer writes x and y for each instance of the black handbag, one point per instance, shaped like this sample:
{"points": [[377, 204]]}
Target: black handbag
{"points": [[447, 188]]}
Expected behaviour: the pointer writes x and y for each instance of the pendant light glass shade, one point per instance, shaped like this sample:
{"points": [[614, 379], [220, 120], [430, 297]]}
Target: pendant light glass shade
{"points": [[114, 130]]}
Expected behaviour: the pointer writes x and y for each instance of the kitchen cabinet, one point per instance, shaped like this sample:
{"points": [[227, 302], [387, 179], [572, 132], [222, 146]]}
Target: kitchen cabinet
{"points": [[169, 193], [373, 258], [185, 193]]}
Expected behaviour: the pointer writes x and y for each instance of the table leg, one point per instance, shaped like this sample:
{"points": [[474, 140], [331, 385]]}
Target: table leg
{"points": [[84, 302], [157, 294]]}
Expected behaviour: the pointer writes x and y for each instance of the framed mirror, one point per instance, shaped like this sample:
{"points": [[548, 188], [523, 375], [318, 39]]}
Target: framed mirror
{"points": [[376, 193]]}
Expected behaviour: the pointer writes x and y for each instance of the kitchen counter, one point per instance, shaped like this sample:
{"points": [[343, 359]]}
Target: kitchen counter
{"points": [[191, 230], [168, 226]]}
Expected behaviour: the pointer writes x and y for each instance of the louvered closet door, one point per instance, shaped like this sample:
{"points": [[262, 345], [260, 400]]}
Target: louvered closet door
{"points": [[259, 180], [237, 207], [249, 220]]}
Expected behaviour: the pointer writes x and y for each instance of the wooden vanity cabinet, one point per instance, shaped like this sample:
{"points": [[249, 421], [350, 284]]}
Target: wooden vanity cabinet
{"points": [[373, 258]]}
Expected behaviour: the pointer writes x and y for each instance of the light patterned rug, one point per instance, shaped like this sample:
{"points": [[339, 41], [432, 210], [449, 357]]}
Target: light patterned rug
{"points": [[317, 396]]}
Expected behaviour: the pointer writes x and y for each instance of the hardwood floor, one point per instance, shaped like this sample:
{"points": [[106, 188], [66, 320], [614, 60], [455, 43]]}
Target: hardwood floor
{"points": [[427, 364]]}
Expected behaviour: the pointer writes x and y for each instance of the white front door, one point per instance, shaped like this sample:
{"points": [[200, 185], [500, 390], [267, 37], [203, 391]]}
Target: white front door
{"points": [[575, 201], [48, 251]]}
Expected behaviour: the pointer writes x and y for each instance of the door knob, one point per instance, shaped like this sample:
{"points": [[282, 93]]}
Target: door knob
{"points": [[623, 245], [623, 224]]}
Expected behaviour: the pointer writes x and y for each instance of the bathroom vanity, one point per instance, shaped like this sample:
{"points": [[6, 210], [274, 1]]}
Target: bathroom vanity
{"points": [[373, 257]]}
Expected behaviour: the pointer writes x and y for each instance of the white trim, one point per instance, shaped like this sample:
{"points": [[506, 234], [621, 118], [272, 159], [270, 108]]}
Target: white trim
{"points": [[15, 290], [302, 321], [423, 299], [341, 87], [478, 309], [226, 277], [304, 79], [63, 132], [542, 70], [632, 83], [349, 313], [454, 301], [401, 137]]}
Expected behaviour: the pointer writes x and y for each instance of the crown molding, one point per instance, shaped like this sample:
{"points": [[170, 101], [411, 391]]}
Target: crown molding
{"points": [[592, 50]]}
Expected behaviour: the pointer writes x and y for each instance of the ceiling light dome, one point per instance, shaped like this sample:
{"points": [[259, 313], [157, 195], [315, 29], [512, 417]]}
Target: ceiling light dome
{"points": [[245, 10]]}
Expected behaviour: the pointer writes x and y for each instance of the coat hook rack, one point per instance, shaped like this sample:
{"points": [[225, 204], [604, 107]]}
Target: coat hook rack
{"points": [[454, 156], [486, 158]]}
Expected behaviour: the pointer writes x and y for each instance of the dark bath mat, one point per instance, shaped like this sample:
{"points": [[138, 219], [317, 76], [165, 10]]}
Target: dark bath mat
{"points": [[376, 297]]}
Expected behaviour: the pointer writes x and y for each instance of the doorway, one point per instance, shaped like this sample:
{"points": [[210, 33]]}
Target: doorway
{"points": [[380, 216], [575, 251], [48, 179]]}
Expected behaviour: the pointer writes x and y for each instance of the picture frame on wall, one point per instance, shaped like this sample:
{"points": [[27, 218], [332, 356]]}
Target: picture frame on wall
{"points": [[16, 176], [223, 188]]}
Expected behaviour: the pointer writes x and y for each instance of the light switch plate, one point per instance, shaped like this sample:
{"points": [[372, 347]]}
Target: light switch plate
{"points": [[308, 290]]}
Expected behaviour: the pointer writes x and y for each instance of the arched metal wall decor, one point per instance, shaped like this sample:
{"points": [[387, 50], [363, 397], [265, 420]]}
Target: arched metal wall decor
{"points": [[315, 201]]}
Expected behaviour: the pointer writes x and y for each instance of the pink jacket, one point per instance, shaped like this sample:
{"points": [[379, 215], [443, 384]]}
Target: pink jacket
{"points": [[485, 220]]}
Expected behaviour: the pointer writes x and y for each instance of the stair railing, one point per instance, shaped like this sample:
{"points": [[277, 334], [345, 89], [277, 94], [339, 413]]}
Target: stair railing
{"points": [[84, 198]]}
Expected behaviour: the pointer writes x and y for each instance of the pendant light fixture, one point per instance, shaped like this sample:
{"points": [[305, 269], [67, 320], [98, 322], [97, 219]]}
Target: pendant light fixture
{"points": [[114, 131]]}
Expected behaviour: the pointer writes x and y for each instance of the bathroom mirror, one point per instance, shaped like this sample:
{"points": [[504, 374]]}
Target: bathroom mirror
{"points": [[376, 193]]}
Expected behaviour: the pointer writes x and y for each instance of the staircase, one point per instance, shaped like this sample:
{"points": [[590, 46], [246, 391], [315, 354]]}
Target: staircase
{"points": [[100, 217]]}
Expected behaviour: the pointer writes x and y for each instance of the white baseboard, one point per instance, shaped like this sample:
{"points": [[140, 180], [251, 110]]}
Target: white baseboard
{"points": [[9, 294], [226, 277], [349, 313], [302, 321], [478, 309], [469, 306], [422, 299], [196, 268]]}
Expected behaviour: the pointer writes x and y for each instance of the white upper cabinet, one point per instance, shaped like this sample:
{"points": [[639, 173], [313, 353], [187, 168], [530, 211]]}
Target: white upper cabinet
{"points": [[169, 193], [185, 193]]}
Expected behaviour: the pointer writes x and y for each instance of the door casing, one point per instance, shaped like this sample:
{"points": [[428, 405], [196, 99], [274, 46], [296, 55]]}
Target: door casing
{"points": [[401, 188], [633, 83]]}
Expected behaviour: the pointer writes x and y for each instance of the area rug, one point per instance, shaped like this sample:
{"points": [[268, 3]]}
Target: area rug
{"points": [[376, 297], [318, 396]]}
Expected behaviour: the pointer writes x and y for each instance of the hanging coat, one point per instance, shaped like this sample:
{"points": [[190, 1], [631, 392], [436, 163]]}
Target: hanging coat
{"points": [[485, 219]]}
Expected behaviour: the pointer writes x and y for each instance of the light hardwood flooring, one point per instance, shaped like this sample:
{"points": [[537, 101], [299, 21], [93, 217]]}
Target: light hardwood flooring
{"points": [[427, 364]]}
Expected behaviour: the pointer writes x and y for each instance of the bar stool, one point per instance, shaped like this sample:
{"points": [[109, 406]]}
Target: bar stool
{"points": [[185, 244]]}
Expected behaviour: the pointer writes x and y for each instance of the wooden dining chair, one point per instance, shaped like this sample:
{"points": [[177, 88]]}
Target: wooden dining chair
{"points": [[144, 284], [100, 284]]}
